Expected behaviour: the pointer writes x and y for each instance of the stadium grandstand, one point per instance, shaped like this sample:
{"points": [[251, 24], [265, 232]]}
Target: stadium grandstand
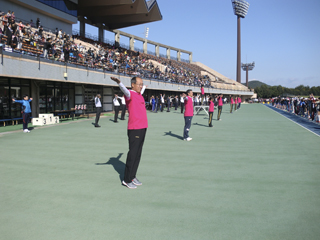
{"points": [[41, 56]]}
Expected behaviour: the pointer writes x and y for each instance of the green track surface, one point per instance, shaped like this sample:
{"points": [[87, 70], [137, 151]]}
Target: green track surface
{"points": [[254, 175]]}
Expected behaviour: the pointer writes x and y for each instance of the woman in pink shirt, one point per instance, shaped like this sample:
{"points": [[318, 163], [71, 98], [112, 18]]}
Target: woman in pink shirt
{"points": [[235, 103], [188, 114], [231, 103], [202, 94], [220, 104], [239, 101], [137, 128], [211, 110]]}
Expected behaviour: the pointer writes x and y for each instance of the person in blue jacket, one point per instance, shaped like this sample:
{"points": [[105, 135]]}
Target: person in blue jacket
{"points": [[26, 111]]}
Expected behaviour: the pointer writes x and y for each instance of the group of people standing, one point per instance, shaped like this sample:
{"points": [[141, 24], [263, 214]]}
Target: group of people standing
{"points": [[305, 107], [138, 122], [235, 103]]}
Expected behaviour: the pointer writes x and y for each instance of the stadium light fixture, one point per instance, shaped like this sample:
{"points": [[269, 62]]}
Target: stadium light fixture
{"points": [[247, 67], [240, 9]]}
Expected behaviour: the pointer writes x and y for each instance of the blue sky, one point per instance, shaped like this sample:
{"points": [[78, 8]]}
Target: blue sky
{"points": [[281, 36]]}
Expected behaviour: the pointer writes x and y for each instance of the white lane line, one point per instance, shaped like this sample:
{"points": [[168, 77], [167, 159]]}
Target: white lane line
{"points": [[294, 121]]}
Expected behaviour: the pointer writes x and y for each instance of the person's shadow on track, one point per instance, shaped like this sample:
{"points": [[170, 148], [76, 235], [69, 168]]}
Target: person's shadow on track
{"points": [[117, 165], [173, 135], [200, 124]]}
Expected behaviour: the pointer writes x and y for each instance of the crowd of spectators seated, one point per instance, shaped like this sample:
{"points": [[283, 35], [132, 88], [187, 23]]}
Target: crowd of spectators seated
{"points": [[29, 38]]}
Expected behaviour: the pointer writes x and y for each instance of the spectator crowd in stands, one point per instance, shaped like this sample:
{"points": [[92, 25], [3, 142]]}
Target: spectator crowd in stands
{"points": [[30, 38]]}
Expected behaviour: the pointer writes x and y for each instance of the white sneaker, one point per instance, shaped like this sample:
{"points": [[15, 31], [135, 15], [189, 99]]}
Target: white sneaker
{"points": [[188, 139], [129, 185], [28, 131], [25, 130]]}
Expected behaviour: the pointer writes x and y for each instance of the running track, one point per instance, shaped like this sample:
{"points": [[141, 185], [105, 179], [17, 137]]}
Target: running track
{"points": [[303, 122]]}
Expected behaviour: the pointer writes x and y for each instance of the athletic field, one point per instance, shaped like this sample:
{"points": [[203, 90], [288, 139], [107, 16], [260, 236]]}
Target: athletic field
{"points": [[254, 175]]}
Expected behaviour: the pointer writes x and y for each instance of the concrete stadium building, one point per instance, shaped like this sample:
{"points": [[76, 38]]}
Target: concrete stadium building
{"points": [[58, 86]]}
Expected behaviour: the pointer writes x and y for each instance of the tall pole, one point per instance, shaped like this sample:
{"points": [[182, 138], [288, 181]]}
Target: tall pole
{"points": [[247, 67], [240, 8], [247, 77], [238, 51]]}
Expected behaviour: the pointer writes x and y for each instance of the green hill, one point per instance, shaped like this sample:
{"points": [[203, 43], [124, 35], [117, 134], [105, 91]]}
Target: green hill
{"points": [[255, 83]]}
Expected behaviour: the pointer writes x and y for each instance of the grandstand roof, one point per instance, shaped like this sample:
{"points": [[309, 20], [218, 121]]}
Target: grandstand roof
{"points": [[114, 14]]}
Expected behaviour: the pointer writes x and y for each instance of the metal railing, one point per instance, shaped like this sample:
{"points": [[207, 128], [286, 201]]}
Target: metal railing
{"points": [[121, 71]]}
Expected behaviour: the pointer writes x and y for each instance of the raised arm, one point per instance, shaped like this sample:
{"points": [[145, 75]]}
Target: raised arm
{"points": [[143, 88], [123, 88], [184, 96]]}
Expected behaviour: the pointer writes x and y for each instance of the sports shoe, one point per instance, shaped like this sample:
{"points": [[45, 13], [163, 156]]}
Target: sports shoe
{"points": [[136, 182], [188, 139], [26, 130], [129, 185]]}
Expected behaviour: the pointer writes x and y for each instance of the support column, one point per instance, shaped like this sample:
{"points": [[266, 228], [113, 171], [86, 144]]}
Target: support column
{"points": [[145, 48], [82, 29], [35, 94], [168, 53], [117, 39], [157, 50], [101, 34], [131, 43], [179, 55], [190, 57]]}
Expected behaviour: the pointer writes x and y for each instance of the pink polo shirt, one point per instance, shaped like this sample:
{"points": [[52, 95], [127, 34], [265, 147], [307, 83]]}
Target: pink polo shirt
{"points": [[188, 105], [202, 91], [232, 102], [220, 103], [236, 101], [211, 106], [137, 111], [239, 100]]}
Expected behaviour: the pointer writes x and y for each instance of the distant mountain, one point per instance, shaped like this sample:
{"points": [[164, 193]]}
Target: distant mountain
{"points": [[255, 83]]}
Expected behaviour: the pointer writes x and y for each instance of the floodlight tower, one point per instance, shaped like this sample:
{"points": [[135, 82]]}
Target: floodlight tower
{"points": [[240, 8], [146, 32], [247, 67]]}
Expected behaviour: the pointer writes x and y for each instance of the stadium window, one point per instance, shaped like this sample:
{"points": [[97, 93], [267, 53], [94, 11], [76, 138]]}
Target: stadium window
{"points": [[64, 6]]}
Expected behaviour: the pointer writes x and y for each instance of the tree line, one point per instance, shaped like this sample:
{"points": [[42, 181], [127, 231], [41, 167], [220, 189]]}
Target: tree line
{"points": [[265, 91]]}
